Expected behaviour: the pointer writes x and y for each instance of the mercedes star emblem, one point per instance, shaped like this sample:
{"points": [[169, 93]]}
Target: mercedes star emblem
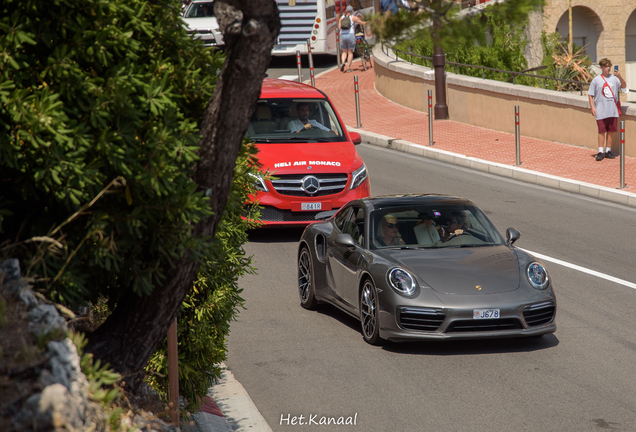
{"points": [[311, 185]]}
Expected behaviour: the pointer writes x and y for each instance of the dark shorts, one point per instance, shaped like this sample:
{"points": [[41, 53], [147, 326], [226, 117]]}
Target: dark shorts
{"points": [[607, 124]]}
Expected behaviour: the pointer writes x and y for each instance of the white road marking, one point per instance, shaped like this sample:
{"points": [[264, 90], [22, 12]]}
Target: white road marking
{"points": [[582, 269], [289, 77]]}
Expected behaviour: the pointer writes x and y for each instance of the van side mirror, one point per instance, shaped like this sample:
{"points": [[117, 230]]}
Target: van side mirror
{"points": [[355, 137]]}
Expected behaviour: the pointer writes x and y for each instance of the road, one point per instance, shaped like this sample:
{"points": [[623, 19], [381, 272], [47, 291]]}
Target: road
{"points": [[296, 362], [286, 66]]}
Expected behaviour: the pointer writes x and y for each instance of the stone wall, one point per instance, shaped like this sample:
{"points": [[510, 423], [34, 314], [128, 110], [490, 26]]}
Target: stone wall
{"points": [[61, 400], [545, 114]]}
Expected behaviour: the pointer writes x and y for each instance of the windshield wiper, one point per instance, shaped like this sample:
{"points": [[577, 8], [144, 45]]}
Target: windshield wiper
{"points": [[279, 140], [467, 245]]}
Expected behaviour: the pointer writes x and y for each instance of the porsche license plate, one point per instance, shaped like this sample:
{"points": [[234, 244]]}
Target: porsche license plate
{"points": [[311, 206], [486, 313]]}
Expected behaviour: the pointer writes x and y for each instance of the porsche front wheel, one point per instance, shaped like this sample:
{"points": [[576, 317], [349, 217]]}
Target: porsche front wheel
{"points": [[306, 280], [369, 313]]}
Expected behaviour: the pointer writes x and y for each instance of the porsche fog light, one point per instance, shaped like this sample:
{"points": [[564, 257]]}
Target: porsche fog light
{"points": [[259, 183], [359, 176], [401, 281], [537, 275]]}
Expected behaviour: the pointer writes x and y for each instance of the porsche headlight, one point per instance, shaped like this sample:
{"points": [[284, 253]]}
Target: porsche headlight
{"points": [[401, 281], [359, 176], [259, 183], [537, 275]]}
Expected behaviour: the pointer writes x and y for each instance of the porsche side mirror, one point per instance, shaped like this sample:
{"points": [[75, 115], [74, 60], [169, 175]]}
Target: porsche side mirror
{"points": [[344, 240], [325, 215], [512, 235], [355, 137]]}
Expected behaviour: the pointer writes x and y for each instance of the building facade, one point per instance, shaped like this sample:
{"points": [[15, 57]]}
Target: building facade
{"points": [[607, 29]]}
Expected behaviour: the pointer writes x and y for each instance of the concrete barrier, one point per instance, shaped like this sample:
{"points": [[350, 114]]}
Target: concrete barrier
{"points": [[545, 114]]}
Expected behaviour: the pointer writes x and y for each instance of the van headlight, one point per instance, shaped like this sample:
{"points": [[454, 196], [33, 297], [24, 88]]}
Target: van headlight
{"points": [[401, 281], [359, 176], [537, 275], [259, 183]]}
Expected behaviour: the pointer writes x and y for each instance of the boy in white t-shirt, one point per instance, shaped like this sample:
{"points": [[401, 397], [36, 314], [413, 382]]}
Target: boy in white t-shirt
{"points": [[605, 103]]}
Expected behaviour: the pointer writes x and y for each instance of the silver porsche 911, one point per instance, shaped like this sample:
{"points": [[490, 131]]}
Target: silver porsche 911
{"points": [[413, 267]]}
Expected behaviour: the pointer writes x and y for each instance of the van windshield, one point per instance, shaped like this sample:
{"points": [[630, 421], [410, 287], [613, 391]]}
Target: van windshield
{"points": [[294, 120]]}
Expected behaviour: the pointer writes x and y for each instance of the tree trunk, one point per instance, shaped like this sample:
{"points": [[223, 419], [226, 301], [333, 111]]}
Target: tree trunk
{"points": [[138, 324]]}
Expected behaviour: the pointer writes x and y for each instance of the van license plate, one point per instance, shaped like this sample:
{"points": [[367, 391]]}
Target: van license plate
{"points": [[486, 313], [311, 206]]}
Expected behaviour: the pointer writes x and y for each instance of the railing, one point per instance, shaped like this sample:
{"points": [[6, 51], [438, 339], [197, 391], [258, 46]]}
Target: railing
{"points": [[513, 74]]}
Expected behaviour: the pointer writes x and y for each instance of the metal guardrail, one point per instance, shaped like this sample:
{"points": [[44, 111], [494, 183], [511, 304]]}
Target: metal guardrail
{"points": [[514, 74]]}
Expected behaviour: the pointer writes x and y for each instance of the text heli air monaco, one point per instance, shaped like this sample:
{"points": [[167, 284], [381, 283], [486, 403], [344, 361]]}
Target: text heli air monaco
{"points": [[310, 156]]}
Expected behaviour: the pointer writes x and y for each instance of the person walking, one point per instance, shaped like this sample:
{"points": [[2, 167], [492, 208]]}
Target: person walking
{"points": [[346, 26], [605, 103]]}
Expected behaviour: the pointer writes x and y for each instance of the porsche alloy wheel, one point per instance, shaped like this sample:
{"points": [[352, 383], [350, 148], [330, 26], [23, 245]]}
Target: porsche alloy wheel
{"points": [[305, 280], [369, 313]]}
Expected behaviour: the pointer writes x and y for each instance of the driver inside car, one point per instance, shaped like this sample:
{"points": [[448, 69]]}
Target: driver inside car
{"points": [[303, 121], [457, 224]]}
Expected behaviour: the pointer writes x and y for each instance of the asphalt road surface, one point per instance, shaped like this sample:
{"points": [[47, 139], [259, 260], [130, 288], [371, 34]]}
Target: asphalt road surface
{"points": [[295, 362], [286, 66]]}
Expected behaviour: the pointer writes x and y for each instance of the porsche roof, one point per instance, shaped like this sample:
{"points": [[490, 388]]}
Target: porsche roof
{"points": [[383, 201], [277, 88]]}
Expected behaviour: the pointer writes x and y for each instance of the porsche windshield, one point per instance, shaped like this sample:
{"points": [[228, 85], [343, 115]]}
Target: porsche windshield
{"points": [[432, 226], [294, 120]]}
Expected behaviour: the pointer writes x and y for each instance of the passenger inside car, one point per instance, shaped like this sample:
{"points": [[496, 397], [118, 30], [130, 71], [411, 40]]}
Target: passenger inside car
{"points": [[388, 233]]}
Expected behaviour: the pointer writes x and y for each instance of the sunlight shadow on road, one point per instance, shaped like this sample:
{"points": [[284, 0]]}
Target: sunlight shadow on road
{"points": [[275, 235], [472, 347]]}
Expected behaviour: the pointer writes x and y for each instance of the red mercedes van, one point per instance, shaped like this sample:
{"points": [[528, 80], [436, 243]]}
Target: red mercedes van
{"points": [[307, 152]]}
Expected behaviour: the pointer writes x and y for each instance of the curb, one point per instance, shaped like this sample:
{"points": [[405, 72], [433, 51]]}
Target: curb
{"points": [[533, 177], [227, 408], [209, 419]]}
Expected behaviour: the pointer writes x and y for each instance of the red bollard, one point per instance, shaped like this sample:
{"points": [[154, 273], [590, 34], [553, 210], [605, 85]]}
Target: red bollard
{"points": [[311, 64], [338, 48], [430, 118], [355, 84], [300, 69], [622, 156], [517, 136]]}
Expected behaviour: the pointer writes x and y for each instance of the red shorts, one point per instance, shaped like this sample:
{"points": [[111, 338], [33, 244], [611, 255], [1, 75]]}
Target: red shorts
{"points": [[607, 124]]}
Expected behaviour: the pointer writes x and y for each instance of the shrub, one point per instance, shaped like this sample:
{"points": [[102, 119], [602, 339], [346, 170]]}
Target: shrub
{"points": [[206, 313], [99, 105]]}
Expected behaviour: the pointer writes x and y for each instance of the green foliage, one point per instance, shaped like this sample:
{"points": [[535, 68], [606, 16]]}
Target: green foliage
{"points": [[101, 379], [56, 334], [495, 39], [214, 301], [99, 105], [563, 64], [442, 20], [502, 50]]}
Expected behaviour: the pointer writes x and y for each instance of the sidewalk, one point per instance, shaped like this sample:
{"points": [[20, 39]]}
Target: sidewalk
{"points": [[227, 408], [562, 166]]}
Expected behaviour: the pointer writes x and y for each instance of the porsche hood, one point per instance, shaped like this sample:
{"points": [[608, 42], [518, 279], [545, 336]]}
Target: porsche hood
{"points": [[462, 271]]}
